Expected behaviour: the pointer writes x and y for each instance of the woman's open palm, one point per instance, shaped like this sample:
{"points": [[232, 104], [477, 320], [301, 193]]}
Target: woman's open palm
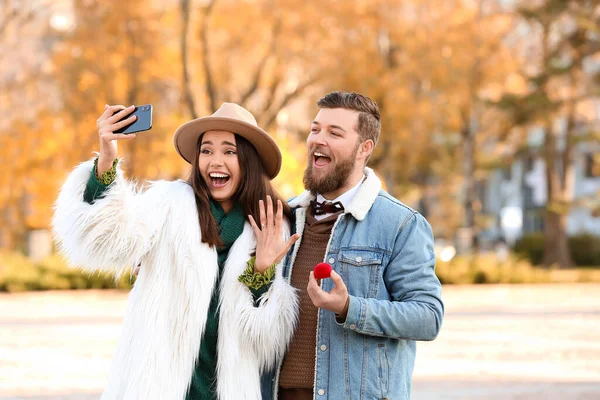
{"points": [[270, 244]]}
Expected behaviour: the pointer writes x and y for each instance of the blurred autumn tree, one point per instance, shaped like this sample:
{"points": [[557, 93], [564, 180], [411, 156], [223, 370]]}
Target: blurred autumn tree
{"points": [[23, 79], [179, 56], [562, 81], [431, 65], [435, 68]]}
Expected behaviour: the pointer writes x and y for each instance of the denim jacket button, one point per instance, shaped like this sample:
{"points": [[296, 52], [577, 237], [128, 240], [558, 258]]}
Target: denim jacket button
{"points": [[352, 326], [323, 347], [331, 260], [321, 392], [358, 259]]}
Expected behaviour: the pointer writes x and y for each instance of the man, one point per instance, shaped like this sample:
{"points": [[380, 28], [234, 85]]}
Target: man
{"points": [[356, 333]]}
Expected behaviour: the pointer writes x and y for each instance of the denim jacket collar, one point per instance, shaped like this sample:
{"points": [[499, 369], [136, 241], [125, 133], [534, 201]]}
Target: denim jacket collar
{"points": [[360, 205]]}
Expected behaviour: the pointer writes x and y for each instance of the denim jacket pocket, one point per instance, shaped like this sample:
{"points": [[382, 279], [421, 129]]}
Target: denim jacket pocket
{"points": [[361, 270]]}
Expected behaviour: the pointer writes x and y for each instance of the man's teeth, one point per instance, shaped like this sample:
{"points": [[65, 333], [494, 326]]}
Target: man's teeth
{"points": [[320, 155]]}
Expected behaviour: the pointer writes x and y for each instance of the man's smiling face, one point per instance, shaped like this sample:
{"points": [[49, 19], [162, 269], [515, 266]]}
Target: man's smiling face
{"points": [[333, 146]]}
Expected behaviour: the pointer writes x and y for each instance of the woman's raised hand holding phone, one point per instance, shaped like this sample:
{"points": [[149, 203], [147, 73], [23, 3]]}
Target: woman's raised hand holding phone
{"points": [[109, 122]]}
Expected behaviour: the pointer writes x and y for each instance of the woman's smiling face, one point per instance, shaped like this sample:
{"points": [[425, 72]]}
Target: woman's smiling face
{"points": [[219, 166]]}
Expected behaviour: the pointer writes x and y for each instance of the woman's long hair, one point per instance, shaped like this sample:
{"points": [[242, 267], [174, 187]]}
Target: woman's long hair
{"points": [[254, 186]]}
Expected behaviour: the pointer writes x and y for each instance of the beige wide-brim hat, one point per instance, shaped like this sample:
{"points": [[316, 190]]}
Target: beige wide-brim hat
{"points": [[232, 118]]}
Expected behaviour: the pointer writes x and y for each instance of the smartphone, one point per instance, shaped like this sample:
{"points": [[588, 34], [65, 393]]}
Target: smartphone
{"points": [[142, 123]]}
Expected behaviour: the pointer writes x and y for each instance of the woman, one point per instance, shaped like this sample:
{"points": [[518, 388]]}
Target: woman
{"points": [[205, 318]]}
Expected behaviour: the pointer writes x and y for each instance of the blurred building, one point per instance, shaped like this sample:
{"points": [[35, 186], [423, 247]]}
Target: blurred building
{"points": [[516, 196]]}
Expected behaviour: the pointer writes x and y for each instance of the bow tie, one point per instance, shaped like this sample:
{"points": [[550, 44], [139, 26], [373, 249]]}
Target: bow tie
{"points": [[326, 207]]}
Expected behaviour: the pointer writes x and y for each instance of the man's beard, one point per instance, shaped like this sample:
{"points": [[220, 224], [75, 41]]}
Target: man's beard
{"points": [[331, 181]]}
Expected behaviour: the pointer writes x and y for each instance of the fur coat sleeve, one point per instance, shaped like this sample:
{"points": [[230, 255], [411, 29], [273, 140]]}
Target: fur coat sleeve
{"points": [[113, 233]]}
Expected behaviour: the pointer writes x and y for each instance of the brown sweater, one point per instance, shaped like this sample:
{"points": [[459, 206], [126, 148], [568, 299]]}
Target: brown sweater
{"points": [[298, 370]]}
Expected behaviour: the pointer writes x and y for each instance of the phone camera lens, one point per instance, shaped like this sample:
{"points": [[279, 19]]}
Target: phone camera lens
{"points": [[145, 108]]}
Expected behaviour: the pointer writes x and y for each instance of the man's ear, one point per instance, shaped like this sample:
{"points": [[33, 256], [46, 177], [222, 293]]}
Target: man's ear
{"points": [[365, 149]]}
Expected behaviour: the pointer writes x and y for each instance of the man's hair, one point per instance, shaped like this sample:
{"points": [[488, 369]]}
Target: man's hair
{"points": [[369, 120]]}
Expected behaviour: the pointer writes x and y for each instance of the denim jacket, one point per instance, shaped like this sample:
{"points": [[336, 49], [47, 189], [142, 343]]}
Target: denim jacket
{"points": [[384, 252]]}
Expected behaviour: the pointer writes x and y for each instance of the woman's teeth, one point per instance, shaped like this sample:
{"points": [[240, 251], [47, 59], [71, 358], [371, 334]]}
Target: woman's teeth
{"points": [[218, 180]]}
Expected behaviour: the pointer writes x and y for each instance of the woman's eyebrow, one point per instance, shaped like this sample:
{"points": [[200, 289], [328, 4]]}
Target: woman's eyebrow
{"points": [[225, 142]]}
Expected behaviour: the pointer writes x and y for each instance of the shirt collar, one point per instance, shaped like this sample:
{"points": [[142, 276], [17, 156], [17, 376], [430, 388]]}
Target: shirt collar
{"points": [[345, 198]]}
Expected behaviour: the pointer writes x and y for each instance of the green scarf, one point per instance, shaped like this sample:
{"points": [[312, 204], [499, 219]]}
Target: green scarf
{"points": [[230, 225]]}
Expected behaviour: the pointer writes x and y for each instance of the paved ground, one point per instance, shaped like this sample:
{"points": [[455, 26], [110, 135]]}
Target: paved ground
{"points": [[514, 342], [497, 342]]}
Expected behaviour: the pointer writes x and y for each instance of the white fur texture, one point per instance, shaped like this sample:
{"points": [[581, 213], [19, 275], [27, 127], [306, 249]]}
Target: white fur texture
{"points": [[115, 232], [167, 308]]}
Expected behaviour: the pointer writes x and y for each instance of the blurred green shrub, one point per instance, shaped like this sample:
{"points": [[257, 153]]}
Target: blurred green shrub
{"points": [[485, 268], [584, 248], [480, 277], [18, 274], [531, 247]]}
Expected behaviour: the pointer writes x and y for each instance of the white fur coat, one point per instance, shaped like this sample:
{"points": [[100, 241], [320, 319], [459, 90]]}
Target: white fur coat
{"points": [[167, 308]]}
